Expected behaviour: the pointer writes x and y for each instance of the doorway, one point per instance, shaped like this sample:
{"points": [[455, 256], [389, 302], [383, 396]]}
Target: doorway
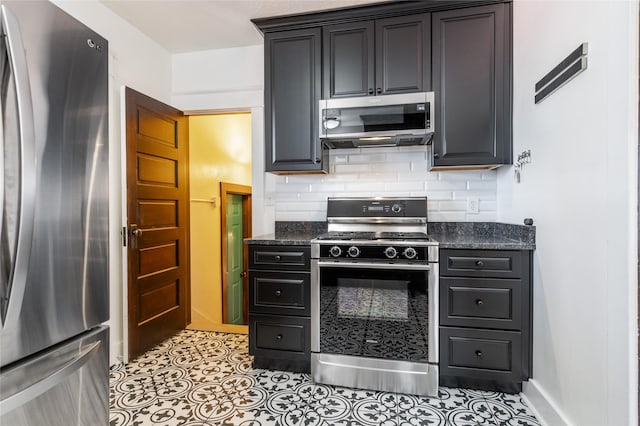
{"points": [[219, 153], [235, 207], [217, 147]]}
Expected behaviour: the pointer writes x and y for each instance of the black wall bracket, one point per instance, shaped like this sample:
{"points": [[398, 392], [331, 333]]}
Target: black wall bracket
{"points": [[564, 72]]}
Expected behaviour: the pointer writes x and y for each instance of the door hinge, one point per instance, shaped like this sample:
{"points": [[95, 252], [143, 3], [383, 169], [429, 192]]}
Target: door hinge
{"points": [[124, 236]]}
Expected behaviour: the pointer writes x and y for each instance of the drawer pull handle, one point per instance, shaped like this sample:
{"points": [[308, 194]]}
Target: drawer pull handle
{"points": [[278, 293], [479, 302], [479, 263], [279, 337], [479, 354], [278, 258]]}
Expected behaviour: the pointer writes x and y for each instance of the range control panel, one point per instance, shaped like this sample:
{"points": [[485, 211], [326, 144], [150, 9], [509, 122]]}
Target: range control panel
{"points": [[371, 252], [377, 207]]}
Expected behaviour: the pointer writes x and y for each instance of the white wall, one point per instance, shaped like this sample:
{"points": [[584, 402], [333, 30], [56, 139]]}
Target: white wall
{"points": [[137, 62], [581, 191], [230, 79]]}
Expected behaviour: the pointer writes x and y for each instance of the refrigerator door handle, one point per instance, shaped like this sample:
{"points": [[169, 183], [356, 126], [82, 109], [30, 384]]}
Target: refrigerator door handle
{"points": [[27, 181], [38, 388]]}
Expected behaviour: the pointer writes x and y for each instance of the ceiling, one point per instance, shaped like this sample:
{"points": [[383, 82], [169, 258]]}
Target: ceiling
{"points": [[191, 25]]}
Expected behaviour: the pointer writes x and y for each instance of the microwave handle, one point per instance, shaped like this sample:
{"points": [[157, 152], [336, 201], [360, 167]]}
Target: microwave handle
{"points": [[432, 119]]}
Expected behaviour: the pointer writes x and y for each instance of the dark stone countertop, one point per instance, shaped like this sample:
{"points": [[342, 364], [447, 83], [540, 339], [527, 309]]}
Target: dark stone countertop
{"points": [[290, 234], [455, 235], [483, 235]]}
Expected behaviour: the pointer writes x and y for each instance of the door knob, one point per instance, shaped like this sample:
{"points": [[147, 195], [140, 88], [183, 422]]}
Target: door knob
{"points": [[134, 234], [243, 274]]}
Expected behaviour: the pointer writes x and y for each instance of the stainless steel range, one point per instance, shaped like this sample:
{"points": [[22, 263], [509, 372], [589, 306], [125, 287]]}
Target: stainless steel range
{"points": [[374, 297]]}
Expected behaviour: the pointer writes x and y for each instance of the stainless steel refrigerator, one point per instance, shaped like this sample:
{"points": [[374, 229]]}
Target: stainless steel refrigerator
{"points": [[54, 292]]}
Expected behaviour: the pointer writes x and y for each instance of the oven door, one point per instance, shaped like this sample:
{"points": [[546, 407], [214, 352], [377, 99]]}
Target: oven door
{"points": [[375, 310]]}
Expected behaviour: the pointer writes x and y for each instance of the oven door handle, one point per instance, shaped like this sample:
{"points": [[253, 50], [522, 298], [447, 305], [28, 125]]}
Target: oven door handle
{"points": [[376, 265]]}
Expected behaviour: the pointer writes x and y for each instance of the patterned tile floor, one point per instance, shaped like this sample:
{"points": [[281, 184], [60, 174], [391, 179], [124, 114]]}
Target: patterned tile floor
{"points": [[205, 378]]}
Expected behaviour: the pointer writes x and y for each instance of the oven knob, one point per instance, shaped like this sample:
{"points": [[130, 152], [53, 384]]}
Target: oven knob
{"points": [[409, 253], [335, 251], [354, 251], [396, 208], [390, 252]]}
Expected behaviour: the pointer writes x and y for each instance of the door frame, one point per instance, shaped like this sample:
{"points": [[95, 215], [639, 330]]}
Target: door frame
{"points": [[226, 189]]}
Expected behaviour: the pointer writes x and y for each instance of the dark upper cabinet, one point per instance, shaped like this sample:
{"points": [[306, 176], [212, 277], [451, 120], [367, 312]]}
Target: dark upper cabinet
{"points": [[292, 92], [383, 56], [472, 85], [348, 59]]}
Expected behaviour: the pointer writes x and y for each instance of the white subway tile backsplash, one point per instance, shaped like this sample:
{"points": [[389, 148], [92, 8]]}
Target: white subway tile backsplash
{"points": [[482, 217], [457, 176], [452, 205], [440, 195], [404, 186], [489, 206], [340, 159], [445, 216], [351, 168], [364, 187], [293, 187], [406, 156], [419, 166], [441, 185], [481, 185], [366, 159], [419, 176], [490, 175], [386, 172], [482, 195], [301, 216]]}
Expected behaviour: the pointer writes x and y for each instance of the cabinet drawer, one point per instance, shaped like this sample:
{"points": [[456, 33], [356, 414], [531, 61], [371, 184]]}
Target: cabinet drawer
{"points": [[271, 335], [280, 257], [481, 302], [481, 263], [279, 292], [482, 354]]}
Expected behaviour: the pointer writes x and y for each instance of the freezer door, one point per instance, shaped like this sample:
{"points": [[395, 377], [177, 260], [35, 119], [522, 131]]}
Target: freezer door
{"points": [[66, 386], [54, 186]]}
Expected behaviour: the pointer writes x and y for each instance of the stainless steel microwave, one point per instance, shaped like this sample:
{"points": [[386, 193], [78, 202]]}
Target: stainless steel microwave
{"points": [[388, 120]]}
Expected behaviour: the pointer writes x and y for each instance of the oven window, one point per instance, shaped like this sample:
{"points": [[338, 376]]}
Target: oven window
{"points": [[374, 313]]}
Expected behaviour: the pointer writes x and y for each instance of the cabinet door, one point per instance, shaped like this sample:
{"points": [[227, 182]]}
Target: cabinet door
{"points": [[403, 54], [348, 60], [472, 85], [292, 93]]}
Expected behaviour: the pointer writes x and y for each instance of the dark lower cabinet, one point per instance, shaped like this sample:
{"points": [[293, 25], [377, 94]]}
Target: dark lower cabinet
{"points": [[279, 307], [485, 319], [472, 85], [292, 95]]}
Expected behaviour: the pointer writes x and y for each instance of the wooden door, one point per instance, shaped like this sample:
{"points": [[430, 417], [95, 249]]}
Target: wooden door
{"points": [[158, 221], [235, 308]]}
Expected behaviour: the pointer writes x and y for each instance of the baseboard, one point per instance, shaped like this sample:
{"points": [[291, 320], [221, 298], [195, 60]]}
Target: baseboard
{"points": [[222, 328], [543, 407]]}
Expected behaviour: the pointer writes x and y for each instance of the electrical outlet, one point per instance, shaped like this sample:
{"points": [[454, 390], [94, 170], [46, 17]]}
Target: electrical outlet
{"points": [[473, 205]]}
